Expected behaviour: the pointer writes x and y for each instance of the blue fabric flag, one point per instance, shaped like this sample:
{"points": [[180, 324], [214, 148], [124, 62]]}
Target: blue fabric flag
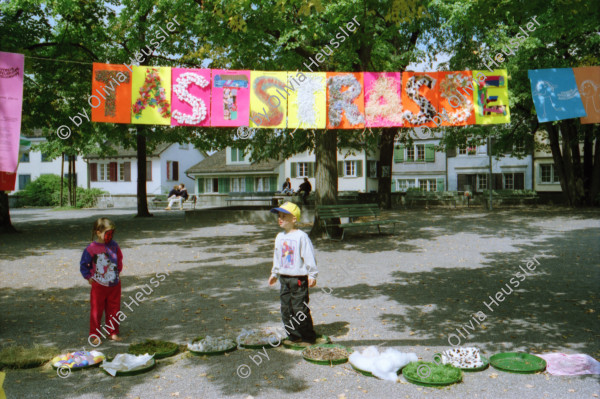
{"points": [[555, 94]]}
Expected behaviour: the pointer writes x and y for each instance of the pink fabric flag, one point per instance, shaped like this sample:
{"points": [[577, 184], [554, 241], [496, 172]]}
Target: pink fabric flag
{"points": [[190, 98], [11, 101]]}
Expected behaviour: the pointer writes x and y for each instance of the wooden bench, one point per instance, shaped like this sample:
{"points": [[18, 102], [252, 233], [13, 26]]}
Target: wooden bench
{"points": [[162, 201], [268, 197], [413, 196], [508, 196], [328, 213]]}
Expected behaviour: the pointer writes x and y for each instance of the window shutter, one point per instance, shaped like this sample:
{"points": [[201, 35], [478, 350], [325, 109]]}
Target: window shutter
{"points": [[112, 171], [311, 169], [359, 167], [273, 183], [127, 171], [393, 183], [93, 171], [200, 186], [233, 154], [293, 169], [169, 170], [399, 154], [249, 184], [519, 181], [148, 170], [451, 152], [175, 170], [440, 184], [429, 152], [340, 168]]}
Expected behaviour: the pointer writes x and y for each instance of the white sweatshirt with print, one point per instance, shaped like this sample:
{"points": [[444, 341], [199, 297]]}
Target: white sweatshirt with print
{"points": [[294, 255]]}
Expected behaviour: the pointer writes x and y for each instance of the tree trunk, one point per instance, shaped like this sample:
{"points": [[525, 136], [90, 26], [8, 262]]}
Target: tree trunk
{"points": [[5, 224], [74, 185], [70, 187], [326, 174], [62, 178], [386, 156], [142, 202]]}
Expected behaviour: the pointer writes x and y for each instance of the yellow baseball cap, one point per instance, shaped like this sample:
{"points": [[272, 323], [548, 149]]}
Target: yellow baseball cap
{"points": [[288, 207]]}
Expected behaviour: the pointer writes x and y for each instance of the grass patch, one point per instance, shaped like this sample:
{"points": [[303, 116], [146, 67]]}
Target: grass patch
{"points": [[157, 348], [439, 374], [20, 357]]}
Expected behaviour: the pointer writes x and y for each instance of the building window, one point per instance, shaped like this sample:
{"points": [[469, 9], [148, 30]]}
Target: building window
{"points": [[262, 184], [372, 169], [427, 184], [302, 169], [410, 153], [405, 184], [172, 170], [102, 172], [548, 174], [24, 157], [350, 169], [121, 172], [509, 183], [238, 184], [420, 152], [482, 182], [514, 181], [468, 151], [211, 185], [46, 158], [237, 155], [24, 181]]}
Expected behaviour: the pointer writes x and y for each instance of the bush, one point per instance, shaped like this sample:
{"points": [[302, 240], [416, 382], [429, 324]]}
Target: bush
{"points": [[45, 191], [40, 191]]}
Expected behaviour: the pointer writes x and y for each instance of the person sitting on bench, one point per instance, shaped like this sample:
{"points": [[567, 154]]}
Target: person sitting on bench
{"points": [[183, 194], [287, 187], [174, 196], [305, 188]]}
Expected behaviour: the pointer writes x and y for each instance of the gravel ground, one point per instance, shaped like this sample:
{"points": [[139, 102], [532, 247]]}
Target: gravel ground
{"points": [[409, 291]]}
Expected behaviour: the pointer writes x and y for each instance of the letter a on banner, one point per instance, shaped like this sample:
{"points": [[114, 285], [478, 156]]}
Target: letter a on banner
{"points": [[11, 102], [111, 84], [190, 101], [151, 95], [383, 101]]}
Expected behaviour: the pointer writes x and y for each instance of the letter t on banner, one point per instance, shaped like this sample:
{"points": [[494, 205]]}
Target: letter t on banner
{"points": [[11, 102]]}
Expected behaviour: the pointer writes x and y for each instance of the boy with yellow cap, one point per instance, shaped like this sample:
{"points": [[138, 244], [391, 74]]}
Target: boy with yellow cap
{"points": [[295, 266]]}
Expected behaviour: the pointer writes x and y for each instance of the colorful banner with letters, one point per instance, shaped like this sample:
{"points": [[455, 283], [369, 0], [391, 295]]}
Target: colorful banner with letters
{"points": [[11, 103]]}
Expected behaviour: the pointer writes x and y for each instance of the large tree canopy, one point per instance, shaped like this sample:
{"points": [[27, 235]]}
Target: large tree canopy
{"points": [[62, 38]]}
